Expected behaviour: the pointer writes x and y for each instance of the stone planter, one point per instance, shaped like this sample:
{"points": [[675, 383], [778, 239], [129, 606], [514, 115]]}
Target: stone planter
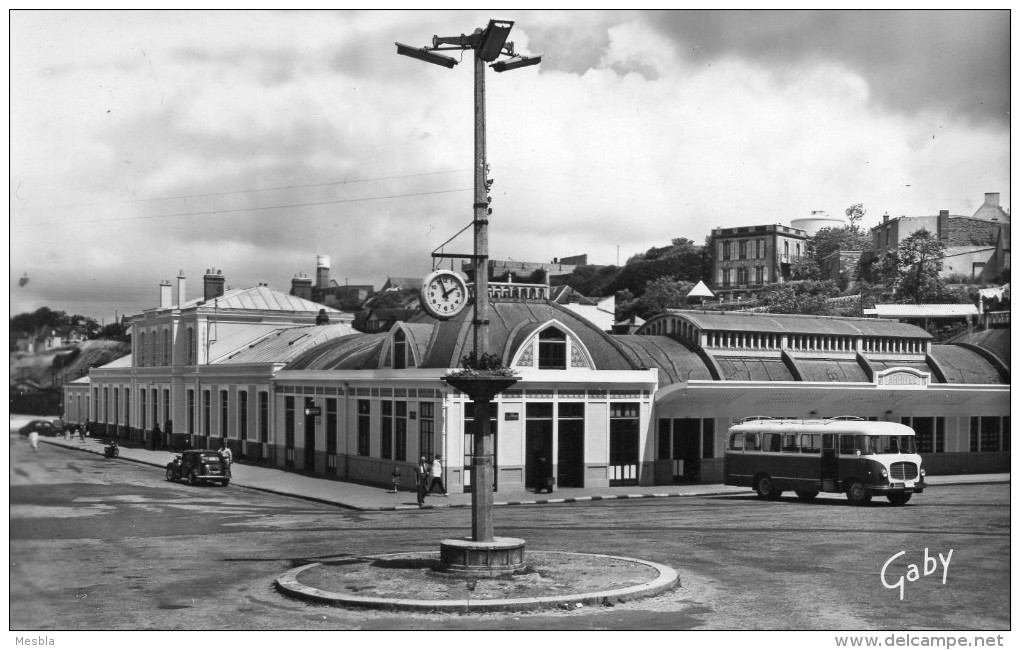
{"points": [[481, 388]]}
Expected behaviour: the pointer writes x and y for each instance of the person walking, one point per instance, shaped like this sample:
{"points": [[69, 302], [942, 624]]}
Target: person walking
{"points": [[157, 438], [33, 440], [81, 431], [436, 473], [421, 472]]}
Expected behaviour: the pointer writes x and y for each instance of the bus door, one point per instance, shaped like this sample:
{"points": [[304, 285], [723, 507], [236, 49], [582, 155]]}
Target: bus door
{"points": [[830, 464]]}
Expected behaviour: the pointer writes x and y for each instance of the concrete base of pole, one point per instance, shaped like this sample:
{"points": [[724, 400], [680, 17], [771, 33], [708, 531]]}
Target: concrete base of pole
{"points": [[499, 557]]}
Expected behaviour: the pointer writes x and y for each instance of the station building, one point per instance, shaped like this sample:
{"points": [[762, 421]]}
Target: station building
{"points": [[646, 408]]}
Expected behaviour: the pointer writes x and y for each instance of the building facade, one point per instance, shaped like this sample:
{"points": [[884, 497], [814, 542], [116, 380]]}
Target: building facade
{"points": [[749, 257]]}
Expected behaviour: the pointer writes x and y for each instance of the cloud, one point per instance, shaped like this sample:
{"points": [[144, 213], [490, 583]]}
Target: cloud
{"points": [[141, 145]]}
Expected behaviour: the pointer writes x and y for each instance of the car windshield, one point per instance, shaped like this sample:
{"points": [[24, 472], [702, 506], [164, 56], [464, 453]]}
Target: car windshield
{"points": [[886, 444]]}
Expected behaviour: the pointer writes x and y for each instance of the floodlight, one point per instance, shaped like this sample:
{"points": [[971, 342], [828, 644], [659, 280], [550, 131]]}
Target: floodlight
{"points": [[494, 39], [513, 64], [425, 55]]}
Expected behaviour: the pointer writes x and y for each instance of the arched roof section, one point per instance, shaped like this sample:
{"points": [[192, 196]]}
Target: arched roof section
{"points": [[354, 352], [517, 320], [675, 361], [792, 324], [964, 366]]}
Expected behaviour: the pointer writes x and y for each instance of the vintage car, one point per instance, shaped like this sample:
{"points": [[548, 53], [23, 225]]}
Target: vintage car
{"points": [[199, 466], [42, 427]]}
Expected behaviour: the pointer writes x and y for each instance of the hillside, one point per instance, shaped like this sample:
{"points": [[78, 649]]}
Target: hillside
{"points": [[53, 368]]}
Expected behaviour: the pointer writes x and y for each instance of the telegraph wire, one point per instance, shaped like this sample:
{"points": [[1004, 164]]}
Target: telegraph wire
{"points": [[236, 210]]}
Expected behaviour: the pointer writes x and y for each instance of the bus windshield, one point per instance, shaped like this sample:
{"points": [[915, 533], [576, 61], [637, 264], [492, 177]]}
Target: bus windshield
{"points": [[886, 444]]}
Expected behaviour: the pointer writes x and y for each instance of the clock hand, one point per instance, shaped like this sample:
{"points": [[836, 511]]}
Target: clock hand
{"points": [[447, 292]]}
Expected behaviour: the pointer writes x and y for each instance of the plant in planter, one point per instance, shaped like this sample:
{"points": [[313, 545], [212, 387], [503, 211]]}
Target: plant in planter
{"points": [[484, 365]]}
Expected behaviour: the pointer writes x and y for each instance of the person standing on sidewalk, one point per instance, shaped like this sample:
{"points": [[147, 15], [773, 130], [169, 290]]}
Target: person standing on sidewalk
{"points": [[157, 435], [225, 453], [437, 475], [395, 478], [421, 476]]}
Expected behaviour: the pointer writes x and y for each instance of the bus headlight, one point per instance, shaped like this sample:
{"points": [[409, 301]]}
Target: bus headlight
{"points": [[885, 474], [922, 472]]}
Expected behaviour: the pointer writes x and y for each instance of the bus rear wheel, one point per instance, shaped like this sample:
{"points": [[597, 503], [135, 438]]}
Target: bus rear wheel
{"points": [[898, 498], [807, 495], [766, 488], [857, 494]]}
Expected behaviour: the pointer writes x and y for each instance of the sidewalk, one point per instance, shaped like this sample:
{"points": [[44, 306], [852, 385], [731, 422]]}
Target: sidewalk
{"points": [[367, 497]]}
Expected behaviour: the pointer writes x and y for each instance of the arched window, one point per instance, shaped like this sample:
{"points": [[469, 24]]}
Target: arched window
{"points": [[399, 350], [552, 349]]}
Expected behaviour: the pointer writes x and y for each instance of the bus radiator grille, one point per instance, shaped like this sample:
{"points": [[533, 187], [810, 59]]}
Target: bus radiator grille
{"points": [[903, 471]]}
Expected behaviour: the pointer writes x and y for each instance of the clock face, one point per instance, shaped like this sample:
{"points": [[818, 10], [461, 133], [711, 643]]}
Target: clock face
{"points": [[444, 294]]}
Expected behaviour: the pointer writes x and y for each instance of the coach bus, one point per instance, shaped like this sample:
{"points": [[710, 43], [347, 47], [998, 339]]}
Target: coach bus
{"points": [[849, 455]]}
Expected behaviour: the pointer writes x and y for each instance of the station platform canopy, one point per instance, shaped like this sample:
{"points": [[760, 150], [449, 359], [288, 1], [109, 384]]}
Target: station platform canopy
{"points": [[922, 311]]}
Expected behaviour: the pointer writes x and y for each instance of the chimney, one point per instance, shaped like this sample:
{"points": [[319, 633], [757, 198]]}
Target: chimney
{"points": [[180, 287], [214, 281], [885, 218], [992, 199], [301, 287], [164, 294], [321, 271], [943, 225]]}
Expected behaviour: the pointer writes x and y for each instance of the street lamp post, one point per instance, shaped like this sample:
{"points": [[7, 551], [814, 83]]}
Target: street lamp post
{"points": [[484, 553]]}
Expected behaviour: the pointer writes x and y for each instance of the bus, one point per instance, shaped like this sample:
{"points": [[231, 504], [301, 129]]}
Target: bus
{"points": [[849, 455]]}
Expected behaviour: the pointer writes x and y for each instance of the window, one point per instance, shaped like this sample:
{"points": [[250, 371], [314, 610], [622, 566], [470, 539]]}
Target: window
{"points": [[127, 407], [331, 429], [811, 443], [426, 426], [155, 407], [974, 427], [977, 270], [846, 445], [289, 424], [759, 248], [791, 442], [399, 352], [387, 430], [141, 350], [400, 424], [736, 442], [206, 412], [191, 346], [552, 349], [772, 442], [751, 442], [364, 426], [166, 407], [989, 433], [191, 410], [141, 409], [624, 442], [743, 250], [166, 348], [224, 411], [798, 250], [242, 414], [664, 439], [263, 416], [786, 249], [725, 248], [116, 406], [759, 275]]}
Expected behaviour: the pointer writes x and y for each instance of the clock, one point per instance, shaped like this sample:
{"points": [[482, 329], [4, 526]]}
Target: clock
{"points": [[444, 294]]}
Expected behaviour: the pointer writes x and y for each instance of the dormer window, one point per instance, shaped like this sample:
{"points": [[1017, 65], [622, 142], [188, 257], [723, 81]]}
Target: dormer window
{"points": [[552, 349]]}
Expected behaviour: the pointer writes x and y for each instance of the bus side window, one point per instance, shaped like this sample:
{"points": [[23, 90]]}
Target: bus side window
{"points": [[810, 443], [790, 442], [846, 445], [772, 442], [828, 441], [751, 442], [736, 442]]}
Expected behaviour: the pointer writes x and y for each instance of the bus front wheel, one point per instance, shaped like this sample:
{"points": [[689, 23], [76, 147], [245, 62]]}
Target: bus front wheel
{"points": [[898, 498], [857, 494], [766, 488]]}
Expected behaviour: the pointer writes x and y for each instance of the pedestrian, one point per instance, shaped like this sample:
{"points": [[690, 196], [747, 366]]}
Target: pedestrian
{"points": [[421, 477], [33, 439], [169, 435], [156, 441], [437, 475], [395, 478], [67, 432], [81, 431], [225, 453], [545, 476]]}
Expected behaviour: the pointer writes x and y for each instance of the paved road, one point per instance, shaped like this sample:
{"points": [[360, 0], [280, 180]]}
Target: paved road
{"points": [[108, 544]]}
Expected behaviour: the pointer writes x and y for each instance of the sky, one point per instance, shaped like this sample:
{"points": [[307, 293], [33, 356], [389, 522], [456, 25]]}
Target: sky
{"points": [[144, 144]]}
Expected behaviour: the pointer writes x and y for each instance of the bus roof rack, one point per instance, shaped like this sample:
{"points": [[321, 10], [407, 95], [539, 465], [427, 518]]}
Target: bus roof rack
{"points": [[756, 417], [846, 417]]}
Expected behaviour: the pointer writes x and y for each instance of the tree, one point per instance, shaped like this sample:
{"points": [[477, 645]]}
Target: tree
{"points": [[659, 295], [916, 267], [854, 214], [799, 297]]}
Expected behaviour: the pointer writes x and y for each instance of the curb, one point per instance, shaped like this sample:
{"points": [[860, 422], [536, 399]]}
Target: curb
{"points": [[668, 579]]}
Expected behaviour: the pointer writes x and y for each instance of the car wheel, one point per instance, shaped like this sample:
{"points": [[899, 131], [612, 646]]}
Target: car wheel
{"points": [[766, 489], [169, 473], [899, 498], [225, 482], [807, 495], [857, 494], [192, 478]]}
